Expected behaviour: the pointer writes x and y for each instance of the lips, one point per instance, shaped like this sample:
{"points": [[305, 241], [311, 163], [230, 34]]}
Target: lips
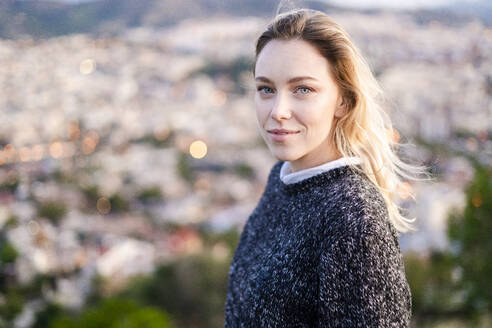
{"points": [[282, 131], [282, 135]]}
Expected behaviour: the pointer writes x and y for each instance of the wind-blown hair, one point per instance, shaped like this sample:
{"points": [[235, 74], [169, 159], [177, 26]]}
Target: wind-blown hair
{"points": [[365, 131]]}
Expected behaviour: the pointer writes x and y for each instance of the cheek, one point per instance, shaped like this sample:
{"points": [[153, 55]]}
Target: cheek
{"points": [[262, 111], [312, 111], [316, 116]]}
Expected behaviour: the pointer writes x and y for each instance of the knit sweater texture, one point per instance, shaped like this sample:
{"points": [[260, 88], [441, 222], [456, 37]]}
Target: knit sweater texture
{"points": [[320, 252]]}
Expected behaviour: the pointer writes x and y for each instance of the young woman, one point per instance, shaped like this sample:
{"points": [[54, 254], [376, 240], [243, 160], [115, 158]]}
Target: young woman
{"points": [[321, 248]]}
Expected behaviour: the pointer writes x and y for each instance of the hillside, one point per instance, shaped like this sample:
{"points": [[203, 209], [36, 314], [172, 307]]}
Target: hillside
{"points": [[44, 19], [49, 18]]}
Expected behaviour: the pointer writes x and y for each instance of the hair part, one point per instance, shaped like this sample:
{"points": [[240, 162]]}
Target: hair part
{"points": [[365, 131]]}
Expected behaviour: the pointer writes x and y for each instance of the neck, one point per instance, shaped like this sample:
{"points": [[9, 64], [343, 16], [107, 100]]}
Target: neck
{"points": [[314, 158]]}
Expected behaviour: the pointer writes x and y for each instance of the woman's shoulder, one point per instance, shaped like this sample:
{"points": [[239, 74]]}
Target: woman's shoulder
{"points": [[358, 209], [273, 179], [275, 170], [353, 190]]}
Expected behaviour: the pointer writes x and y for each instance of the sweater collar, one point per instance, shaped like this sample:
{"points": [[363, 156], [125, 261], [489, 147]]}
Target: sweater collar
{"points": [[289, 177], [324, 178]]}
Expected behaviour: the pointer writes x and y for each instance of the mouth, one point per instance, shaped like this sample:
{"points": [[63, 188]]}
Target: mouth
{"points": [[282, 131], [281, 135]]}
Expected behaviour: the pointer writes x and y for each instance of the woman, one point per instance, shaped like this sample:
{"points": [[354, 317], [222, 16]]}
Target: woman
{"points": [[321, 247]]}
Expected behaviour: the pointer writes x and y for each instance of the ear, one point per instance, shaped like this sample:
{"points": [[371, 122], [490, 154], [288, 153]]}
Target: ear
{"points": [[341, 108]]}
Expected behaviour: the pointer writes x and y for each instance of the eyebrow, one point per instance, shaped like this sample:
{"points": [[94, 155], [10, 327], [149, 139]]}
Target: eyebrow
{"points": [[292, 80]]}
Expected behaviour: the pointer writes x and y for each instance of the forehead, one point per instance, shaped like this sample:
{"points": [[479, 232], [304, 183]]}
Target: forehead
{"points": [[283, 59]]}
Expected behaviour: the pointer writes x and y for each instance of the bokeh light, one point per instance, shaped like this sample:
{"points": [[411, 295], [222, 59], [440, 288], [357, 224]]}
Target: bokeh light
{"points": [[56, 149], [9, 152], [33, 227], [219, 98], [103, 205], [73, 131], [37, 152], [198, 149], [87, 66], [404, 190], [477, 200], [25, 154], [161, 133], [90, 142]]}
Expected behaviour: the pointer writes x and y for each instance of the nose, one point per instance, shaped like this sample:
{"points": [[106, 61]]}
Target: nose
{"points": [[281, 109]]}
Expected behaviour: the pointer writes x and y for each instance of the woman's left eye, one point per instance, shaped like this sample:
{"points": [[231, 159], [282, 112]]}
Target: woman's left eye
{"points": [[304, 90], [264, 89]]}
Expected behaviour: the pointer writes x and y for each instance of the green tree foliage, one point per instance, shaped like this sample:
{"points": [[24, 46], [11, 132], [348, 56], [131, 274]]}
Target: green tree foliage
{"points": [[155, 141], [14, 294], [244, 170], [47, 316], [469, 233], [12, 305], [456, 283], [52, 210], [150, 195], [433, 286], [118, 203], [10, 185], [116, 313], [12, 299], [229, 237], [8, 253], [12, 221], [193, 288], [232, 70], [92, 194], [184, 168]]}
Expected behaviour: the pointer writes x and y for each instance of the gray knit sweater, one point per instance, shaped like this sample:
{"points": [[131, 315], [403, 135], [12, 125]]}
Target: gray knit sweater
{"points": [[318, 253]]}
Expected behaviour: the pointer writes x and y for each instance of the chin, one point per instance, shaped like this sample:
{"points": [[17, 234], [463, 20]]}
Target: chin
{"points": [[285, 155]]}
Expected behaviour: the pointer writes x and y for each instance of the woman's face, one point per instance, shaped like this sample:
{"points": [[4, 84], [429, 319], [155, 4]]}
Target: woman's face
{"points": [[296, 92]]}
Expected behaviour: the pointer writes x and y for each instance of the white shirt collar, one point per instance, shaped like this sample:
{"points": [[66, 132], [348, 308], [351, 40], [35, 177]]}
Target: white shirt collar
{"points": [[288, 177]]}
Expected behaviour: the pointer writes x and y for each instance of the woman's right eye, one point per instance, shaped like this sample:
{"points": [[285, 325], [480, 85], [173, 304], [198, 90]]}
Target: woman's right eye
{"points": [[265, 90]]}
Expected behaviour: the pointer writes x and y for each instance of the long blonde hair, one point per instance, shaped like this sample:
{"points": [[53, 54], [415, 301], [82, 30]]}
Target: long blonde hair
{"points": [[365, 131]]}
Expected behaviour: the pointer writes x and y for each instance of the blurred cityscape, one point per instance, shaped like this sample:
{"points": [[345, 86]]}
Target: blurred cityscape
{"points": [[120, 153]]}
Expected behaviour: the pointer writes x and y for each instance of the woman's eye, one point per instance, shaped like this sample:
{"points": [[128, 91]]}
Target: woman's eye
{"points": [[303, 90], [265, 90]]}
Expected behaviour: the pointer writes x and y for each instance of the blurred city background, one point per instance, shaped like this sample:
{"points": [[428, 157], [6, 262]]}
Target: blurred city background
{"points": [[130, 155]]}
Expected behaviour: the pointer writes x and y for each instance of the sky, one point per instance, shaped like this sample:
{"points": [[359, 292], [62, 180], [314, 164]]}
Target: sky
{"points": [[398, 4], [390, 4]]}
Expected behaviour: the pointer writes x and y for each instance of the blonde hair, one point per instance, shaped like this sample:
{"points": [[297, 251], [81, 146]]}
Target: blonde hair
{"points": [[365, 131]]}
